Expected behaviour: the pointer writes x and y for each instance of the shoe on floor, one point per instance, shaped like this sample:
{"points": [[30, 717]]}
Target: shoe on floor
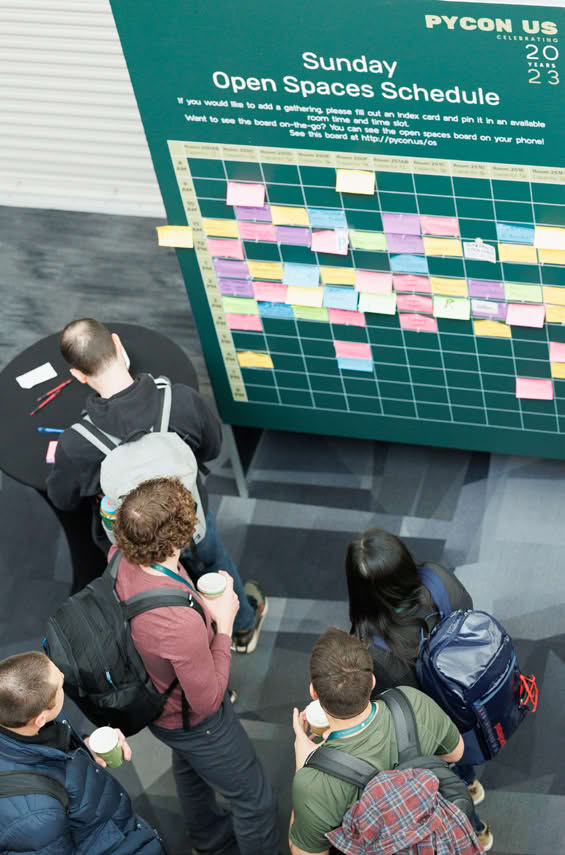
{"points": [[486, 838], [246, 640], [233, 695], [477, 792]]}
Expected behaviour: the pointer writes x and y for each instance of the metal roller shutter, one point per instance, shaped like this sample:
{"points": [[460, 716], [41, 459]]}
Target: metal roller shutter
{"points": [[70, 132]]}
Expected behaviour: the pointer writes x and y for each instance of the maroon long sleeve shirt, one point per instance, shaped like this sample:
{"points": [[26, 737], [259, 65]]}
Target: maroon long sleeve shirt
{"points": [[174, 642]]}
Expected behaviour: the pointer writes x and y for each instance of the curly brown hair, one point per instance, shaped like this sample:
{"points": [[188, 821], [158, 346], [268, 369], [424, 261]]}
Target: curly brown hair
{"points": [[153, 520]]}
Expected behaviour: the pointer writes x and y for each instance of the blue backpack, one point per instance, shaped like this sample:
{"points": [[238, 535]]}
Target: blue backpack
{"points": [[467, 664]]}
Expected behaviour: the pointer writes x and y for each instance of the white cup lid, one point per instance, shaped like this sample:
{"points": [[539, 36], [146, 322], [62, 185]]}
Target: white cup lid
{"points": [[103, 739], [315, 715], [211, 583]]}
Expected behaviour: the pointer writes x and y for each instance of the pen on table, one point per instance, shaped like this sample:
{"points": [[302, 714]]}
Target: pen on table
{"points": [[55, 389], [50, 430], [46, 401]]}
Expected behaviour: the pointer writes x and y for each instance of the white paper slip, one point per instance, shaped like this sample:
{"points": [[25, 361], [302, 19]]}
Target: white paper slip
{"points": [[479, 251], [37, 375]]}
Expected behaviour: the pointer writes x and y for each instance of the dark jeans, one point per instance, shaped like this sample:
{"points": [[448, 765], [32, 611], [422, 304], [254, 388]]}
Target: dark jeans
{"points": [[214, 557], [217, 756], [467, 773]]}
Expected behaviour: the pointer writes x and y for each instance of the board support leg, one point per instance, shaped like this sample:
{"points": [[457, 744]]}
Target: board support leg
{"points": [[233, 452]]}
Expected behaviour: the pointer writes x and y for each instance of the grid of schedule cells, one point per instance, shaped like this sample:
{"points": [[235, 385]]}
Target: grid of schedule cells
{"points": [[407, 289]]}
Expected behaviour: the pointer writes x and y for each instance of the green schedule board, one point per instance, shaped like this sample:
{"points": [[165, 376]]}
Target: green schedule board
{"points": [[375, 196]]}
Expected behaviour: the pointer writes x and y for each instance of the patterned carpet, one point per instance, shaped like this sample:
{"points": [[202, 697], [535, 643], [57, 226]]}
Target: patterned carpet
{"points": [[497, 519]]}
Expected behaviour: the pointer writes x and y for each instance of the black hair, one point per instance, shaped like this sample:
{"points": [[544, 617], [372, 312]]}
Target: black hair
{"points": [[385, 592]]}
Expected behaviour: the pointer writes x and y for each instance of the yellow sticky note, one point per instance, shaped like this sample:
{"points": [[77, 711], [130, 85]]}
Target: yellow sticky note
{"points": [[179, 236], [443, 246], [355, 181], [517, 252], [551, 256], [265, 269], [552, 294], [549, 237], [492, 328], [555, 314], [338, 275], [287, 216], [253, 359], [449, 287], [304, 296], [220, 228], [558, 370]]}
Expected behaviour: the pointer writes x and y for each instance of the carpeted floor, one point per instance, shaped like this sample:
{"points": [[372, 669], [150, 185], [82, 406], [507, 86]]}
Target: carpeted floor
{"points": [[497, 519]]}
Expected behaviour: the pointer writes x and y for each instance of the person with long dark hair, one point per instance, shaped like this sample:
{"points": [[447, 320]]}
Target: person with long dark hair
{"points": [[390, 607]]}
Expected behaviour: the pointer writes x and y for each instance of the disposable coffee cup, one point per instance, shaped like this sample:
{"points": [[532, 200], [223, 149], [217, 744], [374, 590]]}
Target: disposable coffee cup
{"points": [[104, 742], [211, 585], [316, 718]]}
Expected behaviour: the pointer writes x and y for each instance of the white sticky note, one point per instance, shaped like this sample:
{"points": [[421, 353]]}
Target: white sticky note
{"points": [[479, 251], [37, 375]]}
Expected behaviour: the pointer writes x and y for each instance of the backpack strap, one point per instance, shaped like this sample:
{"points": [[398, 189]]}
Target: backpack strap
{"points": [[158, 598], [340, 764], [404, 721], [101, 440], [438, 592], [164, 415], [32, 783]]}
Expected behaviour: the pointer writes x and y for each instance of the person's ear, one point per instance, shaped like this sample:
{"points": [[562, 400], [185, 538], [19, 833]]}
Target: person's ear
{"points": [[374, 682], [120, 353], [313, 693], [78, 375], [39, 721]]}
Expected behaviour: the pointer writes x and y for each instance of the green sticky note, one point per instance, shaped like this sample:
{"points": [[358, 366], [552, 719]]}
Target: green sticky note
{"points": [[523, 293], [456, 308], [240, 306], [367, 240], [379, 304], [310, 313]]}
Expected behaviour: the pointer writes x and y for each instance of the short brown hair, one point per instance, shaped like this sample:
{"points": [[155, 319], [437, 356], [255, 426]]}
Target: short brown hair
{"points": [[88, 346], [341, 672], [26, 688], [154, 519]]}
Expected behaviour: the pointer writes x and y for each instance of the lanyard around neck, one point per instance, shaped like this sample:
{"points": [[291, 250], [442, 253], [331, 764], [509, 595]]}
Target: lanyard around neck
{"points": [[172, 575], [337, 734]]}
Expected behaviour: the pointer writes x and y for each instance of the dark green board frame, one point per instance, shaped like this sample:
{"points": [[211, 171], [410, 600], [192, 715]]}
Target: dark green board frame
{"points": [[463, 72]]}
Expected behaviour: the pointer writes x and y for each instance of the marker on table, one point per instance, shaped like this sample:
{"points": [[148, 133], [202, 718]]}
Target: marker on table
{"points": [[50, 430]]}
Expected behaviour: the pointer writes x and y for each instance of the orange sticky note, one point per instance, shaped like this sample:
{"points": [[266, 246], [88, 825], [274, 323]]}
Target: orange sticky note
{"points": [[535, 388]]}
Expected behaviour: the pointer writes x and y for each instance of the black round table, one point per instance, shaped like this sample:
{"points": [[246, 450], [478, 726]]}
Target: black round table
{"points": [[23, 448]]}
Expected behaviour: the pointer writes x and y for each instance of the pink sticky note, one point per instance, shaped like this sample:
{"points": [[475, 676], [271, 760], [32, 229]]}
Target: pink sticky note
{"points": [[225, 248], [414, 303], [246, 195], [556, 351], [244, 322], [335, 241], [524, 315], [411, 282], [51, 449], [343, 316], [353, 349], [372, 282], [270, 292], [257, 231], [420, 323], [529, 387], [442, 226]]}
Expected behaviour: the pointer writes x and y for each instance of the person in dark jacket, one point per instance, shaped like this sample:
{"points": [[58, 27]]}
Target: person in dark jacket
{"points": [[388, 602], [122, 406], [36, 738]]}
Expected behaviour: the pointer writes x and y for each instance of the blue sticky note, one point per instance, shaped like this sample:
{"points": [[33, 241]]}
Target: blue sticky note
{"points": [[340, 298], [276, 310], [352, 364], [408, 264], [327, 218], [515, 233], [302, 275]]}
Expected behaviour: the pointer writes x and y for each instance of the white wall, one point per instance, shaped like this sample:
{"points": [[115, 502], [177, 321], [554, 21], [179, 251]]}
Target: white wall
{"points": [[70, 133]]}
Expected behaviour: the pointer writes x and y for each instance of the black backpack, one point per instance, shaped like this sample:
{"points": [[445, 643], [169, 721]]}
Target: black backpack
{"points": [[28, 783], [89, 640], [358, 772]]}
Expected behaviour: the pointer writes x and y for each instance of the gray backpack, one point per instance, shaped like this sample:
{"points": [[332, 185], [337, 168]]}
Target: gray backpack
{"points": [[156, 454]]}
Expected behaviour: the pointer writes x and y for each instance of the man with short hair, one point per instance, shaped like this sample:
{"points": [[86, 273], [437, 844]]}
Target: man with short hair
{"points": [[123, 406], [37, 741], [341, 673], [211, 750]]}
